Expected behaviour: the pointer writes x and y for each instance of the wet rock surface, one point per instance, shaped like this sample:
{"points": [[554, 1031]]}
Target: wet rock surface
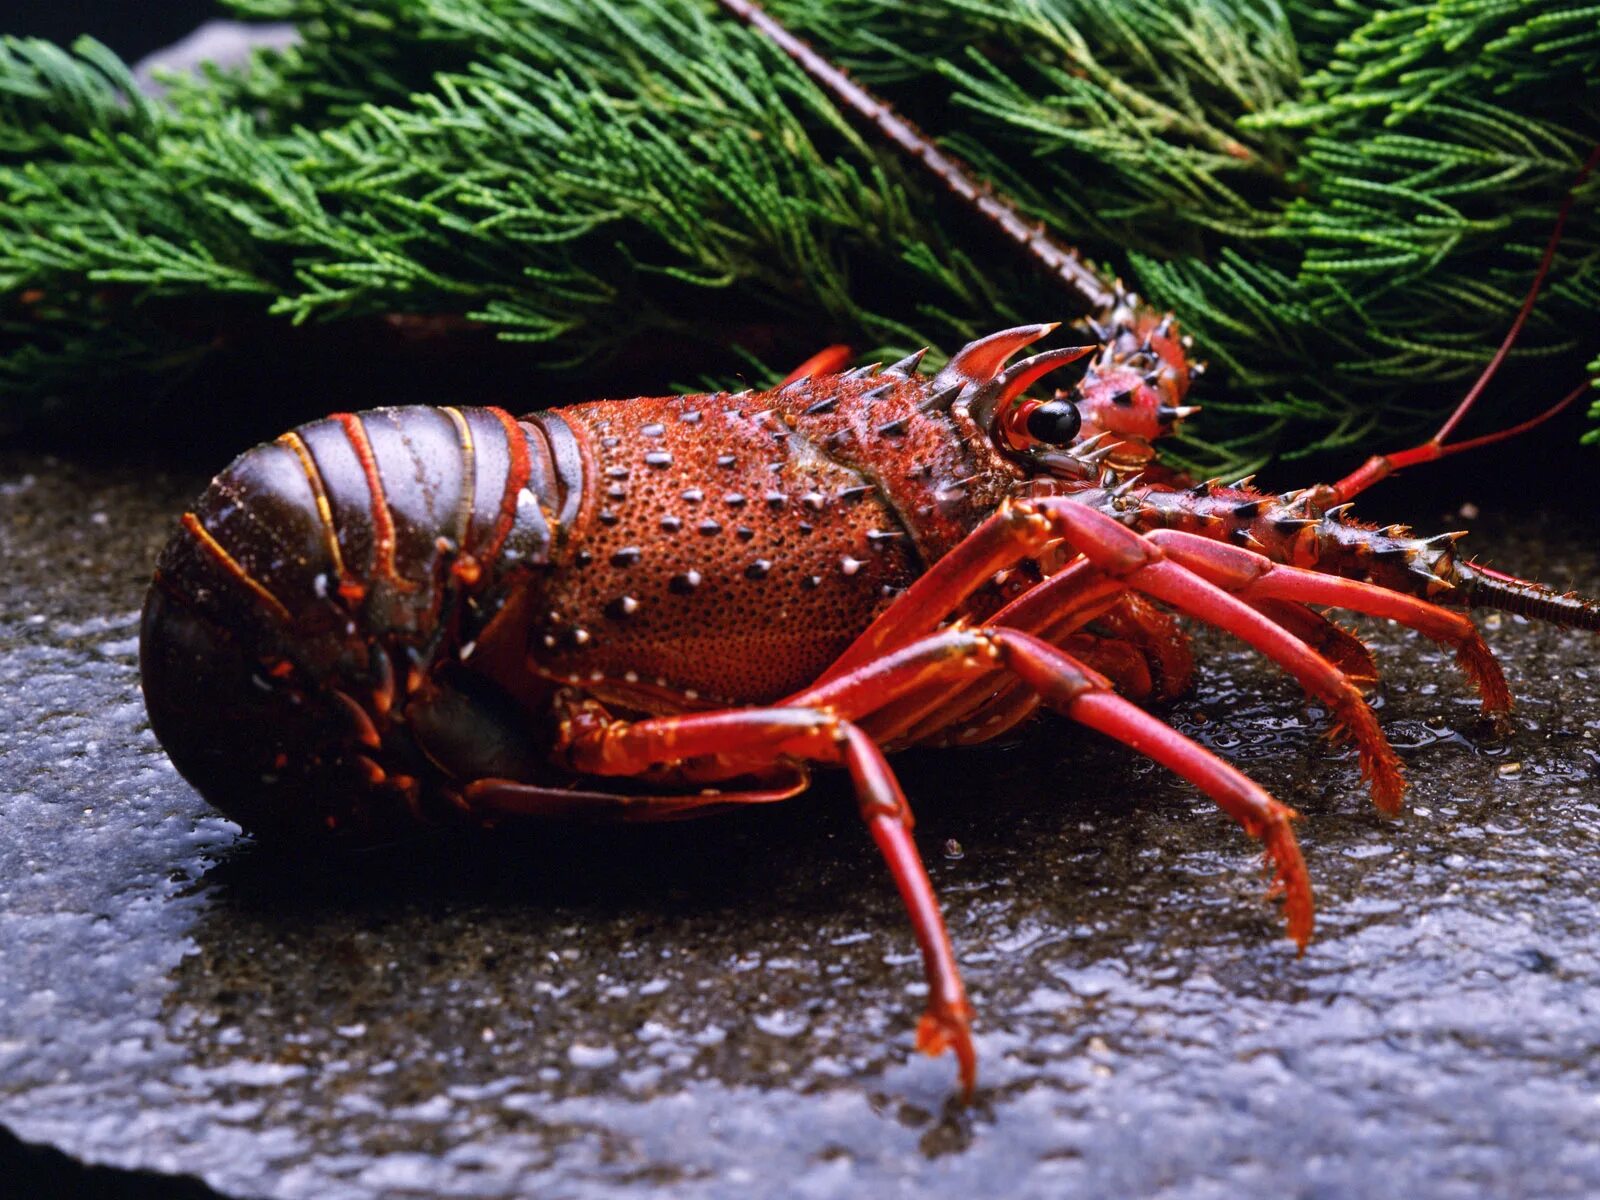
{"points": [[725, 1007]]}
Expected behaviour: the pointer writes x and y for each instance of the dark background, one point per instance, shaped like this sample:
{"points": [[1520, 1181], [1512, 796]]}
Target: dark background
{"points": [[133, 28]]}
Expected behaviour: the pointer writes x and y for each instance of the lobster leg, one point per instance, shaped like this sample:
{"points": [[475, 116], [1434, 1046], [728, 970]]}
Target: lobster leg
{"points": [[1082, 695], [818, 735], [1159, 639], [1174, 584], [1335, 643], [1118, 560], [1257, 578], [490, 799], [1077, 595], [807, 727], [973, 712], [821, 725]]}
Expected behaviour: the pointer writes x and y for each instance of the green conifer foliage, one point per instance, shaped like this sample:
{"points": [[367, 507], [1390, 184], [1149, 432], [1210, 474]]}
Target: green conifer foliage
{"points": [[1343, 202]]}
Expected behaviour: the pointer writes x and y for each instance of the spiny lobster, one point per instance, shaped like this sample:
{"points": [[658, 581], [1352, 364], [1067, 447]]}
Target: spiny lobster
{"points": [[664, 607]]}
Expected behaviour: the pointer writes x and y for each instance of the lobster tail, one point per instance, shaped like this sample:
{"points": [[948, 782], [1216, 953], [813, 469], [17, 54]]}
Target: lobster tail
{"points": [[302, 648], [1487, 588]]}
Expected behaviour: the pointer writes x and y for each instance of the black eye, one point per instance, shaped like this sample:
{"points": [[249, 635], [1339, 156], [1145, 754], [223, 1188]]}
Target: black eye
{"points": [[1055, 422]]}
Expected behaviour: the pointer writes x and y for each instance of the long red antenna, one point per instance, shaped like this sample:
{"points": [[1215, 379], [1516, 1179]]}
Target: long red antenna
{"points": [[1381, 466], [1062, 260]]}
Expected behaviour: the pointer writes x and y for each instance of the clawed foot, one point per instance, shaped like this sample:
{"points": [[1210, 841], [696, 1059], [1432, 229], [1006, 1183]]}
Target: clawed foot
{"points": [[949, 1027]]}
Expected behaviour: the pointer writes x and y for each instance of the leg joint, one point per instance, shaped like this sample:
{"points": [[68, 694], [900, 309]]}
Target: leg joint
{"points": [[1103, 540]]}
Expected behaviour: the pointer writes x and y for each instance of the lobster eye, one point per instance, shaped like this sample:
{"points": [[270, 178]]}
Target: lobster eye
{"points": [[1055, 422]]}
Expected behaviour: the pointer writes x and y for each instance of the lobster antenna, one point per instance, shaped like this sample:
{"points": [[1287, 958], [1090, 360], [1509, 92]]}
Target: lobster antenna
{"points": [[1381, 466], [1060, 259]]}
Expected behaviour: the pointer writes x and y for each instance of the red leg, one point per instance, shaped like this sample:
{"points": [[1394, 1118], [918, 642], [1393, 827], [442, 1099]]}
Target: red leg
{"points": [[974, 713], [1080, 694], [1159, 638], [1118, 559], [1067, 688], [490, 799], [1140, 648], [819, 725], [1171, 582], [1335, 643], [1078, 594], [816, 734], [1126, 559], [1124, 666], [947, 1023], [1163, 669], [1256, 577]]}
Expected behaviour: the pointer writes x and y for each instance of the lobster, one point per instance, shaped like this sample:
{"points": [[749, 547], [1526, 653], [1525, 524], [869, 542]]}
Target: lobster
{"points": [[664, 607]]}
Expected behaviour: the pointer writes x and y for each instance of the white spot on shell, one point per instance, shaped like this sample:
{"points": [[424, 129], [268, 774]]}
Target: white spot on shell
{"points": [[850, 565]]}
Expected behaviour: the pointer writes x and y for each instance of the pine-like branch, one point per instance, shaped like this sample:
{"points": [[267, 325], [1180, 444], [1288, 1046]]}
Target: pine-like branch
{"points": [[1345, 205]]}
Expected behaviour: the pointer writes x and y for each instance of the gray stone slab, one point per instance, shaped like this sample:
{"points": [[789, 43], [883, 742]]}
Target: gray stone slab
{"points": [[724, 1008]]}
